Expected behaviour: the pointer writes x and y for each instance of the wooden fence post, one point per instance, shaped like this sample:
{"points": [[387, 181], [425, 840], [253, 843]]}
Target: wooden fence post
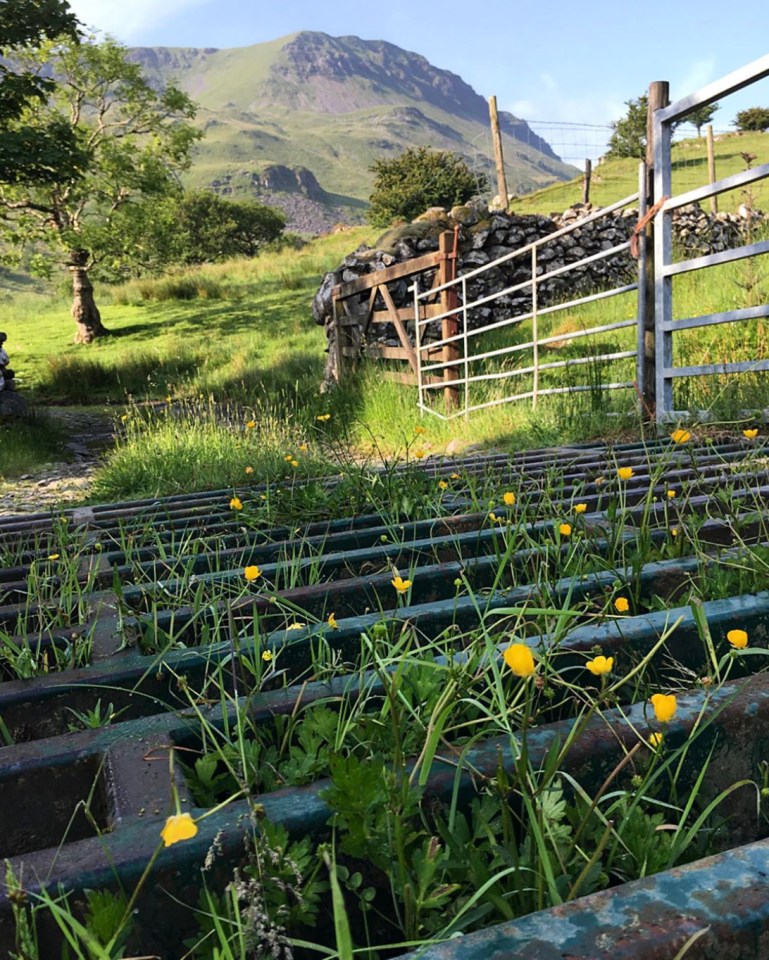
{"points": [[586, 181], [711, 165], [449, 325], [496, 137], [659, 96]]}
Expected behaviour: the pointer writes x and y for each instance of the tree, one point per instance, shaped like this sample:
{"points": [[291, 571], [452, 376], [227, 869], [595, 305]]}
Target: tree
{"points": [[210, 228], [45, 153], [701, 116], [629, 136], [418, 179], [754, 119], [134, 141]]}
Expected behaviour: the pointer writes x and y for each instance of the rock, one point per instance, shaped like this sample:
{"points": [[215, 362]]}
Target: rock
{"points": [[12, 404]]}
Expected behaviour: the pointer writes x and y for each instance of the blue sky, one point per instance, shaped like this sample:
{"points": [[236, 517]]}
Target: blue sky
{"points": [[552, 61]]}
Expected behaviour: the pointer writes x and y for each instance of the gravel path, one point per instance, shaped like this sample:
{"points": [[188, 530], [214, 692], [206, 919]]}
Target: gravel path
{"points": [[64, 483]]}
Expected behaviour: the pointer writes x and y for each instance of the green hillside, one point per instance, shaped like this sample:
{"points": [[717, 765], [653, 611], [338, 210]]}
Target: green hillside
{"points": [[614, 179], [302, 119]]}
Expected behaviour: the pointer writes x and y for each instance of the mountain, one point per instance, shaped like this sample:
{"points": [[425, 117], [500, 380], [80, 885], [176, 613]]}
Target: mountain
{"points": [[298, 121]]}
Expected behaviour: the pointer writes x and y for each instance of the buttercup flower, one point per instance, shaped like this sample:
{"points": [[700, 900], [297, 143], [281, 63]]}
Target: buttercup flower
{"points": [[680, 436], [250, 424], [621, 605], [671, 494], [179, 827], [664, 706], [267, 656], [236, 503], [493, 517], [655, 739], [252, 573], [599, 666], [53, 556], [674, 531], [249, 469], [580, 507], [738, 639], [750, 434], [303, 448], [565, 529], [599, 481], [296, 626], [419, 454], [442, 485], [294, 463], [332, 622], [454, 476], [169, 399], [288, 457], [625, 473], [419, 430], [323, 417], [509, 498], [520, 659], [400, 584]]}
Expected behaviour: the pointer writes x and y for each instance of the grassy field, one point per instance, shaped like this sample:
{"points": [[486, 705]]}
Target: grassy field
{"points": [[195, 353], [615, 179]]}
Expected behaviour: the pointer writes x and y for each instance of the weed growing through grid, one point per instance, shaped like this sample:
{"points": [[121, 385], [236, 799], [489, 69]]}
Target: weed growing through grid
{"points": [[423, 865]]}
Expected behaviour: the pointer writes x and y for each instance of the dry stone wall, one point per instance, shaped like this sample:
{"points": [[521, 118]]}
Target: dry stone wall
{"points": [[485, 236]]}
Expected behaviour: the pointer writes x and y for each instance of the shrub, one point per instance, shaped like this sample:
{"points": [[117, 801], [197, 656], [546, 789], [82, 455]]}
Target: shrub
{"points": [[755, 119], [418, 179]]}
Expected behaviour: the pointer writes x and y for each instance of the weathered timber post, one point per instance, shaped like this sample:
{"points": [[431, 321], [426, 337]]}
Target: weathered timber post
{"points": [[450, 324], [586, 181], [659, 96], [711, 165], [496, 136]]}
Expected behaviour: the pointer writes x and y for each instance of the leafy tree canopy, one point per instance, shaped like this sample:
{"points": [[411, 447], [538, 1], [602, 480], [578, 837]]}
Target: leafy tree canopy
{"points": [[197, 227], [629, 133], [701, 116], [753, 119], [44, 153], [211, 228], [133, 140], [418, 179]]}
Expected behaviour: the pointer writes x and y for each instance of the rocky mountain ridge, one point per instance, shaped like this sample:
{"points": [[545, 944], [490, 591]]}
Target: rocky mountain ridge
{"points": [[298, 121]]}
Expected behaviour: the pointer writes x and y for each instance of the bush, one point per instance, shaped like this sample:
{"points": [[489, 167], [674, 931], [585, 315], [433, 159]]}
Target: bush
{"points": [[754, 119], [418, 179]]}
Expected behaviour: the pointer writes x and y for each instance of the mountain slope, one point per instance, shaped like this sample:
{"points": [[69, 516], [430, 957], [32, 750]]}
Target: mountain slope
{"points": [[299, 121]]}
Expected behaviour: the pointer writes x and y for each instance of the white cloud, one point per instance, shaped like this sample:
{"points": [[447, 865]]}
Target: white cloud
{"points": [[129, 20]]}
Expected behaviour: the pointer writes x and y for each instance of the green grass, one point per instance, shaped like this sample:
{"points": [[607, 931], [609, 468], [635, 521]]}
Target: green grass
{"points": [[28, 442], [249, 317], [236, 341], [614, 179]]}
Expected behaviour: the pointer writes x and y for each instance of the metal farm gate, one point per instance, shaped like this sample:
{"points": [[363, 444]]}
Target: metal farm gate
{"points": [[472, 361], [666, 268]]}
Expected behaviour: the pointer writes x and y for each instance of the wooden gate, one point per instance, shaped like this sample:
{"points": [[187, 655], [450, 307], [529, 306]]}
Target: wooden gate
{"points": [[364, 307]]}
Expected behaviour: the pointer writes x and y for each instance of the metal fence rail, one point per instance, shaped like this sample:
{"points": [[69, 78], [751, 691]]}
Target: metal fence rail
{"points": [[465, 353], [665, 268]]}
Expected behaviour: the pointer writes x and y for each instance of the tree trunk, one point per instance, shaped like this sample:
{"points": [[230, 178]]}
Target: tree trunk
{"points": [[85, 313]]}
